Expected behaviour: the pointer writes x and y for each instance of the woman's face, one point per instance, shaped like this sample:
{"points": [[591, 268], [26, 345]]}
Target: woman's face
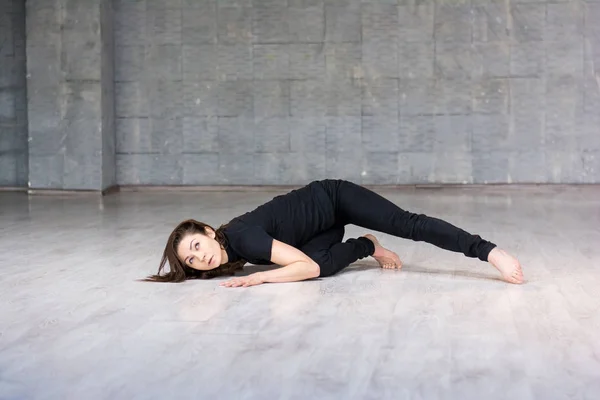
{"points": [[200, 251]]}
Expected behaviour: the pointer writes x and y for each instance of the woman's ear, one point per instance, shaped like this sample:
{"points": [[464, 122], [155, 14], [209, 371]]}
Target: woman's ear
{"points": [[210, 233]]}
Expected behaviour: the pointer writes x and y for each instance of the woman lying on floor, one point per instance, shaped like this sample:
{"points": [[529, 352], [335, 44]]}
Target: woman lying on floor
{"points": [[302, 231]]}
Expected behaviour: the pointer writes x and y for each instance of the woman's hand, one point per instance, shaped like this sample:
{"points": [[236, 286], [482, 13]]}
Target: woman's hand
{"points": [[245, 281]]}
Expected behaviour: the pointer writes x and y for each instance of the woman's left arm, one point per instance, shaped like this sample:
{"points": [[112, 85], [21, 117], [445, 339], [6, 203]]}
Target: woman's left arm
{"points": [[297, 266]]}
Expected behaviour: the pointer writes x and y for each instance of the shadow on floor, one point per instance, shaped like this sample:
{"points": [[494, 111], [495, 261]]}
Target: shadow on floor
{"points": [[408, 269]]}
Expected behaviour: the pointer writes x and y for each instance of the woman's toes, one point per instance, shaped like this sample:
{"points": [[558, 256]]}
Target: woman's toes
{"points": [[516, 277]]}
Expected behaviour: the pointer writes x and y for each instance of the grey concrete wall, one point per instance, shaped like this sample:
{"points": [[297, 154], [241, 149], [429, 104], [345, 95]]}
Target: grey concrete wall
{"points": [[285, 91], [69, 68], [13, 95]]}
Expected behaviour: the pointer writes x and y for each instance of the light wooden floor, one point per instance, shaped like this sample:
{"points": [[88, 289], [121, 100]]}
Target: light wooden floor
{"points": [[75, 323]]}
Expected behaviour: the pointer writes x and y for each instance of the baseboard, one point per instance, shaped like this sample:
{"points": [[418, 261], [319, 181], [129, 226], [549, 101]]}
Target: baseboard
{"points": [[276, 188], [111, 190], [433, 186], [65, 192], [206, 188], [73, 192], [12, 189]]}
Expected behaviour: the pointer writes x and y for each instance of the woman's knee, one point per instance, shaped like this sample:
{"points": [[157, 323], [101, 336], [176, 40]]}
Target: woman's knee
{"points": [[326, 271], [328, 268]]}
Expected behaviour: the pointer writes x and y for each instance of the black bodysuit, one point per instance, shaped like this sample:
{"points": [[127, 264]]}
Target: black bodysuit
{"points": [[313, 217]]}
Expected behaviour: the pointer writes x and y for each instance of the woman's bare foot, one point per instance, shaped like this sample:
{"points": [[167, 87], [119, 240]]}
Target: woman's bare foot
{"points": [[387, 259], [509, 267]]}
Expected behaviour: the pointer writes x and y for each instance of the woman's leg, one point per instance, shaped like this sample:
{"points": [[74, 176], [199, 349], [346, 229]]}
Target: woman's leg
{"points": [[333, 255], [360, 206]]}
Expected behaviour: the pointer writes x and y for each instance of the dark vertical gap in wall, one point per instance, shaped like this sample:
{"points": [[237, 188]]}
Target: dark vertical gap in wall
{"points": [[13, 96]]}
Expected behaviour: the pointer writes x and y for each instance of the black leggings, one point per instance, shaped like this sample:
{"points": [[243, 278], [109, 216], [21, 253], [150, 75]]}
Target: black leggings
{"points": [[356, 205]]}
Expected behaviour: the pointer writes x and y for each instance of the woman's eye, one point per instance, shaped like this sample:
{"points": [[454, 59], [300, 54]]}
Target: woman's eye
{"points": [[191, 260], [197, 246]]}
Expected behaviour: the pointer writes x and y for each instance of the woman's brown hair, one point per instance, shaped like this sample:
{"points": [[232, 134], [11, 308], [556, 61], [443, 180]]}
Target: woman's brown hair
{"points": [[178, 271]]}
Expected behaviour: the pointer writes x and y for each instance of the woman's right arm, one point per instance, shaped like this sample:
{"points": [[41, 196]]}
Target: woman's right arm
{"points": [[296, 266]]}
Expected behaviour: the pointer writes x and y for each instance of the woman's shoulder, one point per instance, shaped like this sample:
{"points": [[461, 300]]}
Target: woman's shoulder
{"points": [[235, 225], [251, 242], [241, 228]]}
